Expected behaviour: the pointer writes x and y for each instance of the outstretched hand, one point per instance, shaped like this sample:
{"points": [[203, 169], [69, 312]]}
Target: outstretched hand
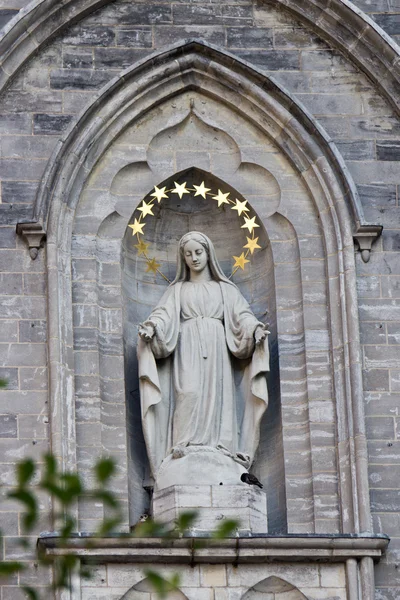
{"points": [[147, 331], [260, 334]]}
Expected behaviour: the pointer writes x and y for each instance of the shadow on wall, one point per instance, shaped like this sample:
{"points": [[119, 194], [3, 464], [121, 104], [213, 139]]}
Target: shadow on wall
{"points": [[142, 289]]}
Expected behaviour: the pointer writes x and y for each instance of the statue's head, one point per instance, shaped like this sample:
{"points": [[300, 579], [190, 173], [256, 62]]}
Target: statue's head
{"points": [[196, 236], [195, 253], [196, 243]]}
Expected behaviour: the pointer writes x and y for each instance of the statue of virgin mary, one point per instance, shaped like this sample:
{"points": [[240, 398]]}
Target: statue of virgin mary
{"points": [[203, 358]]}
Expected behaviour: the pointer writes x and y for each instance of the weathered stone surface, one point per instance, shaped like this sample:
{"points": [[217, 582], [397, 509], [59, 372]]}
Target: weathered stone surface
{"points": [[8, 426], [376, 379], [6, 15], [213, 503], [212, 14], [272, 60], [78, 79], [15, 124], [50, 124], [77, 58], [357, 150], [93, 35], [21, 192], [380, 428], [119, 58], [248, 37], [377, 194], [167, 34], [389, 22], [135, 37]]}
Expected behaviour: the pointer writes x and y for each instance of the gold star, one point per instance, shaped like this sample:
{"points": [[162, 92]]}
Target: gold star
{"points": [[240, 206], [141, 247], [240, 261], [251, 244], [146, 209], [137, 227], [159, 193], [201, 190], [221, 198], [180, 189], [250, 224], [152, 265]]}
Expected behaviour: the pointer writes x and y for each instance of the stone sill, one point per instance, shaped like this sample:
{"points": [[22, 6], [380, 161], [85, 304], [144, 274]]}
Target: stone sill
{"points": [[260, 549]]}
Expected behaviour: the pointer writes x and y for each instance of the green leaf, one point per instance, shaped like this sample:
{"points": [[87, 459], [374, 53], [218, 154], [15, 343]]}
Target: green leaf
{"points": [[160, 584], [72, 486], [11, 567], [3, 383], [50, 466], [185, 520], [31, 593], [108, 498], [68, 528], [64, 566], [108, 525], [29, 518], [225, 529], [23, 496], [151, 528], [25, 471], [104, 469]]}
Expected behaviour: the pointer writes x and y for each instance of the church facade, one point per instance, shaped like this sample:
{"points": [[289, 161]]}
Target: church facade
{"points": [[273, 127]]}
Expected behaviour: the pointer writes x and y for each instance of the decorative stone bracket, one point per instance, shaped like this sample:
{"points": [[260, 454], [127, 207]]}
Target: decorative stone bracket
{"points": [[365, 236], [34, 235]]}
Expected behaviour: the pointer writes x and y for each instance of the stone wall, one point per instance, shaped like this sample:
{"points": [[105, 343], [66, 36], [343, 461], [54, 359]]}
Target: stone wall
{"points": [[224, 582], [45, 99]]}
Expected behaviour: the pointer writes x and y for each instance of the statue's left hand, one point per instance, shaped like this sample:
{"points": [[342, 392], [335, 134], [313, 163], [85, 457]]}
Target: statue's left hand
{"points": [[147, 331], [260, 334]]}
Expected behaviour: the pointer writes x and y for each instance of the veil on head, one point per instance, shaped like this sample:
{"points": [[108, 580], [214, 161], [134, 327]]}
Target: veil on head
{"points": [[182, 270]]}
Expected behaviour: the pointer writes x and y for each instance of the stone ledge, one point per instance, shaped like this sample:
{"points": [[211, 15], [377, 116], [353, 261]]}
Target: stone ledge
{"points": [[262, 549]]}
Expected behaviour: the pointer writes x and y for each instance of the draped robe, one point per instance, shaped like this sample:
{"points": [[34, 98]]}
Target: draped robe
{"points": [[202, 378]]}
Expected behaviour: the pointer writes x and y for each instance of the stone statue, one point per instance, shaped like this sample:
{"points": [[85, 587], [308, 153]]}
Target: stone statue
{"points": [[203, 358]]}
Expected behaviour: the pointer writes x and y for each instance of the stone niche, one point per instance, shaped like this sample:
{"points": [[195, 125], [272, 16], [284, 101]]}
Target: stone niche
{"points": [[196, 138], [142, 289]]}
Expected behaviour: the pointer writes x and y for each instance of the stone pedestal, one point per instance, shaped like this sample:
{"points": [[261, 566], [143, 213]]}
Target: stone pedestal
{"points": [[213, 503]]}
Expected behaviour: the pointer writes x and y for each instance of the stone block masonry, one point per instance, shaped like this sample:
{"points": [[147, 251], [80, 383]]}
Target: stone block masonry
{"points": [[36, 110]]}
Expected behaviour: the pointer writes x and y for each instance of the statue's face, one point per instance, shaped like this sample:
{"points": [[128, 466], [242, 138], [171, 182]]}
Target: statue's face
{"points": [[195, 255]]}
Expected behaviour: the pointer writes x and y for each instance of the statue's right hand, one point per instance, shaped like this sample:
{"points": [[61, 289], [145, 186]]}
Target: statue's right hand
{"points": [[147, 331]]}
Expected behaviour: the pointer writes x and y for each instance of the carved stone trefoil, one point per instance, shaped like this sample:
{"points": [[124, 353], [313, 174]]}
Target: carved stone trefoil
{"points": [[34, 235]]}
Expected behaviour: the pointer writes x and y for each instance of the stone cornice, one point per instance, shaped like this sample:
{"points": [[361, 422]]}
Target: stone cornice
{"points": [[260, 549]]}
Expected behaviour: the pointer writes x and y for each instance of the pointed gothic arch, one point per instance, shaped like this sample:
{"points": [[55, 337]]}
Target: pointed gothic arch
{"points": [[327, 190], [274, 588]]}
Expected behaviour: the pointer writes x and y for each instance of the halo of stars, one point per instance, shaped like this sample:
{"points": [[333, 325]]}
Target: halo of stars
{"points": [[181, 189]]}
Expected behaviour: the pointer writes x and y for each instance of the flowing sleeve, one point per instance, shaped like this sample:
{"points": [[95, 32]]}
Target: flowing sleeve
{"points": [[165, 318], [240, 325], [154, 376]]}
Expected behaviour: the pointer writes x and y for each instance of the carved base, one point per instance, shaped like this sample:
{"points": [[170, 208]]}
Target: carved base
{"points": [[199, 465], [245, 503]]}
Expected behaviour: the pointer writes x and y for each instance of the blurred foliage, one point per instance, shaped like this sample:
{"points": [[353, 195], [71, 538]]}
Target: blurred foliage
{"points": [[65, 489]]}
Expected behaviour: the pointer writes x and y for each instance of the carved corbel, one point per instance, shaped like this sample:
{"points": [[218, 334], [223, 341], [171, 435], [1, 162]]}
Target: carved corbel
{"points": [[365, 236], [34, 235]]}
